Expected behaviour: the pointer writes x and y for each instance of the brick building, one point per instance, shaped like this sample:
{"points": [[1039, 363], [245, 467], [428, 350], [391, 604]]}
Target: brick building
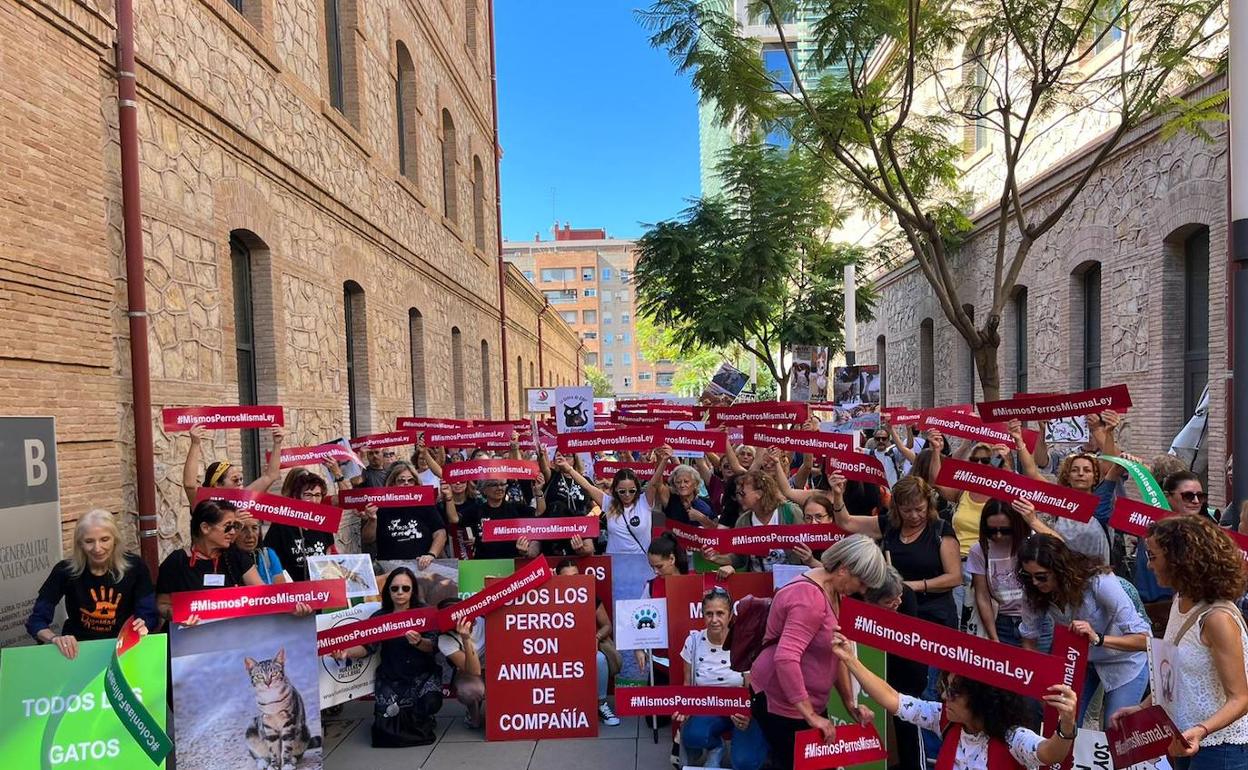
{"points": [[586, 276], [318, 197]]}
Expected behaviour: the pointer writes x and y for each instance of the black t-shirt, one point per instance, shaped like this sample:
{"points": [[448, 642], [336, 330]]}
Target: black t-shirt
{"points": [[519, 491], [471, 519], [177, 573], [407, 532], [564, 497], [920, 560], [95, 605], [293, 545], [400, 662]]}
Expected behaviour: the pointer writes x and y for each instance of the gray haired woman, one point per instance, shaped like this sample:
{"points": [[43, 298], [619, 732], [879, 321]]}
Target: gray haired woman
{"points": [[792, 678], [677, 496]]}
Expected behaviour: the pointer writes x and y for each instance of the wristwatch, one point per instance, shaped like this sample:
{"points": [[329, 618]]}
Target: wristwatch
{"points": [[1100, 641], [338, 479], [1063, 735]]}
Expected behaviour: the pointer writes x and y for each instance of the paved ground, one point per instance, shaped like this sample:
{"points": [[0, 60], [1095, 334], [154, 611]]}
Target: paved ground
{"points": [[627, 747]]}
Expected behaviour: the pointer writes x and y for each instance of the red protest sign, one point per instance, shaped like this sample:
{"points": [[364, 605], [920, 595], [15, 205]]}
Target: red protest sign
{"points": [[1072, 650], [853, 745], [293, 457], [759, 541], [1134, 518], [1239, 540], [1140, 736], [222, 417], [969, 426], [855, 467], [760, 413], [379, 440], [623, 440], [1008, 485], [427, 423], [497, 593], [607, 469], [822, 406], [480, 470], [666, 411], [468, 437], [812, 441], [630, 403], [693, 538], [219, 603], [1051, 407], [1025, 672], [684, 606], [695, 440], [540, 528], [598, 567], [693, 701], [638, 421], [378, 629], [387, 497], [275, 508], [901, 415], [541, 658]]}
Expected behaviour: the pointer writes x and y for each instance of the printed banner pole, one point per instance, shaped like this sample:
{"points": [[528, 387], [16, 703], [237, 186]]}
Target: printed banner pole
{"points": [[137, 720]]}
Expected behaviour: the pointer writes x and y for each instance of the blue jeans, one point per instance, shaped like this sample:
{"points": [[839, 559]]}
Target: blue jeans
{"points": [[1129, 694], [1007, 632], [1227, 756], [703, 733]]}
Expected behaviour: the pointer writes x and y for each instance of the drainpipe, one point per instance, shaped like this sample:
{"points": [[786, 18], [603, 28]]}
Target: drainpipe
{"points": [[136, 297], [541, 370], [498, 214]]}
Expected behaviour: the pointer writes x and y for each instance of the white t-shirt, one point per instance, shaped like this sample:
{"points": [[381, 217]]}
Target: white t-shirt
{"points": [[428, 479], [449, 643], [630, 531], [972, 751], [709, 662]]}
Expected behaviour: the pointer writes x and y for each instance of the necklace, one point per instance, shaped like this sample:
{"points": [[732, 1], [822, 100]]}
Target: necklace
{"points": [[909, 536]]}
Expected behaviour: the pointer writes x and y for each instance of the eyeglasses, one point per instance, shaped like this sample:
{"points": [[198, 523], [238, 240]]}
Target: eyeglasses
{"points": [[994, 531], [400, 589], [405, 481], [815, 518], [231, 527], [1035, 577], [626, 491], [1191, 497], [495, 485], [982, 460]]}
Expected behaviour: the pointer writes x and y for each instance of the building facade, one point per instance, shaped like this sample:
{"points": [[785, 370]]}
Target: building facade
{"points": [[586, 277], [317, 181]]}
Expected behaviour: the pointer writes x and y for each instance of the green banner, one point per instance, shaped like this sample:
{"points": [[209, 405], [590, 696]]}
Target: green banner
{"points": [[1150, 490], [877, 662], [56, 713], [133, 714], [473, 572]]}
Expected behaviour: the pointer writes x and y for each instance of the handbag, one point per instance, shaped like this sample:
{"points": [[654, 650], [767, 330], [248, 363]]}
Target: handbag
{"points": [[404, 729]]}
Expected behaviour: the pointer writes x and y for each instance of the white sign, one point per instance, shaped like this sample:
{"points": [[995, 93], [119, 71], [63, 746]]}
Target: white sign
{"points": [[687, 425], [574, 409], [1161, 663], [30, 519], [341, 681], [640, 624], [355, 568], [783, 574], [540, 399]]}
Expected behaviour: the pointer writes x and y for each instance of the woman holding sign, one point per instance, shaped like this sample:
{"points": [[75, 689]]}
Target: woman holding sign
{"points": [[211, 561], [1205, 690], [1072, 589], [626, 508], [102, 586], [224, 474], [993, 564], [983, 727], [408, 532]]}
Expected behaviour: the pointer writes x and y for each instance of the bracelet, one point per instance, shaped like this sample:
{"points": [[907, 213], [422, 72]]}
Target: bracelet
{"points": [[1063, 735], [924, 586], [1206, 729]]}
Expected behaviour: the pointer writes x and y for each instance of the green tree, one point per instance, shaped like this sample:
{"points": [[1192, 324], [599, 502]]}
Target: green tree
{"points": [[600, 382], [753, 267], [852, 105]]}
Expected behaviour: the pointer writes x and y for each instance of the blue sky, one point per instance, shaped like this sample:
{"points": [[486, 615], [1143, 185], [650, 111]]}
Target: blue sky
{"points": [[589, 110]]}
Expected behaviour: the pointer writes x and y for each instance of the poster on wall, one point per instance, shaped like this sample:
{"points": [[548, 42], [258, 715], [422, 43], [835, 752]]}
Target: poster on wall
{"points": [[224, 673], [30, 519], [539, 400], [344, 680], [55, 712], [810, 373], [855, 385], [574, 409]]}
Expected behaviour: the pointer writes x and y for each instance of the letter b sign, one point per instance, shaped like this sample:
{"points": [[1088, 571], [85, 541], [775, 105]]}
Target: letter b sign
{"points": [[36, 463]]}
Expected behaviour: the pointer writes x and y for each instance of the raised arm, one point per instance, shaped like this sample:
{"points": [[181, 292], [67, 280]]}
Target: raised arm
{"points": [[1025, 458], [590, 488], [856, 525], [190, 469], [1104, 428], [733, 461], [904, 447], [879, 690], [273, 469], [799, 496], [435, 467], [657, 490], [936, 441], [544, 464]]}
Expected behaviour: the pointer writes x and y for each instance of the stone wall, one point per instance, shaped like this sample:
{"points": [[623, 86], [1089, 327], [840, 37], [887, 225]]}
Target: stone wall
{"points": [[237, 137], [1131, 219]]}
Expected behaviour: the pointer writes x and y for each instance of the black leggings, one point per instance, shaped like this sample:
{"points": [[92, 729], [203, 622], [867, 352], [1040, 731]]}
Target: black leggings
{"points": [[780, 731]]}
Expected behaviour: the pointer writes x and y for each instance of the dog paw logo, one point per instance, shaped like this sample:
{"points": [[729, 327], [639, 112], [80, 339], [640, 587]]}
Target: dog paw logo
{"points": [[102, 616], [645, 617]]}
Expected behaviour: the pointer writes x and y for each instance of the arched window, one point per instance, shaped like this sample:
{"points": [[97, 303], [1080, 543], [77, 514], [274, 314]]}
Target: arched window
{"points": [[449, 185], [405, 111], [531, 375], [254, 350], [478, 203], [356, 333], [520, 394], [341, 21], [927, 364], [1090, 288], [1195, 318], [881, 360], [470, 25], [457, 372], [416, 346], [485, 379]]}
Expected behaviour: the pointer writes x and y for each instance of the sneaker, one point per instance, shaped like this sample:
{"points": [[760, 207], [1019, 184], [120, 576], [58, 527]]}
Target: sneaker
{"points": [[606, 715]]}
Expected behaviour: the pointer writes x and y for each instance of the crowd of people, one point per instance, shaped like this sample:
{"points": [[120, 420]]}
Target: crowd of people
{"points": [[988, 566]]}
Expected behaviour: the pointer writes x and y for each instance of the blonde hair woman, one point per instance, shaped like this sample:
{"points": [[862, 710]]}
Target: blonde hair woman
{"points": [[101, 585]]}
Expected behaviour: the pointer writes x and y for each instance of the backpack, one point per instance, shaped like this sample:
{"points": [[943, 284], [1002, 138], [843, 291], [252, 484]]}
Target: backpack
{"points": [[747, 634]]}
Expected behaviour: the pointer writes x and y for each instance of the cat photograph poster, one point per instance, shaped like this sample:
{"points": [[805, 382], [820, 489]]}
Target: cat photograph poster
{"points": [[239, 686]]}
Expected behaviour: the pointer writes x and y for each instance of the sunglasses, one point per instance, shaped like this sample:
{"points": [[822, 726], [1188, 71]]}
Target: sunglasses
{"points": [[626, 491], [1035, 577], [717, 591], [231, 527], [1191, 497], [994, 531], [399, 589], [982, 460]]}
